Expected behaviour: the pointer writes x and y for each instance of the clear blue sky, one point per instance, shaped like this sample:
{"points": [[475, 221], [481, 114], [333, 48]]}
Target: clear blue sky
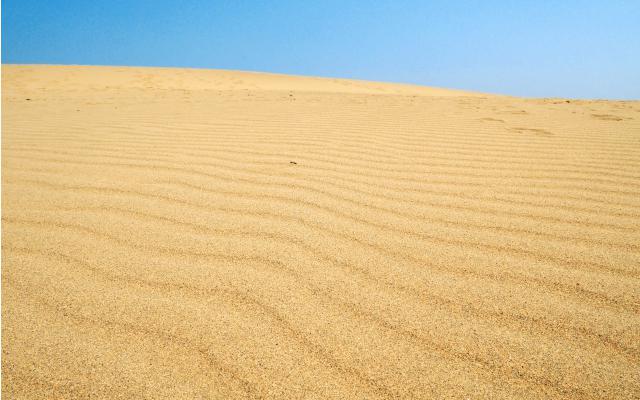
{"points": [[563, 48]]}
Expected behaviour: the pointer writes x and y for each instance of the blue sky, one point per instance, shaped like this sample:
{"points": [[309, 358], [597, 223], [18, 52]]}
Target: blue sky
{"points": [[543, 48]]}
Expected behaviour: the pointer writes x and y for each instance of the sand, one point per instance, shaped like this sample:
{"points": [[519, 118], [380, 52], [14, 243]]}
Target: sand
{"points": [[175, 233]]}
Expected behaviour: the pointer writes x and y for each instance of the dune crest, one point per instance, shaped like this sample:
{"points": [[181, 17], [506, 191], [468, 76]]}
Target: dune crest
{"points": [[171, 233], [90, 77]]}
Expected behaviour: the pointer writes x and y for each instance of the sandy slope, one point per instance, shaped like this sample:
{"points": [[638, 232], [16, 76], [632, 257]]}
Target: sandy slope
{"points": [[158, 241]]}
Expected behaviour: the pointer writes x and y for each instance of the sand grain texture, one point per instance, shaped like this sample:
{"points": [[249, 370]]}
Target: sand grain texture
{"points": [[176, 233]]}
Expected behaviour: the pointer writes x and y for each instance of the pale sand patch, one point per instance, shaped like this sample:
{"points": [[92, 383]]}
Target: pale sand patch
{"points": [[175, 233]]}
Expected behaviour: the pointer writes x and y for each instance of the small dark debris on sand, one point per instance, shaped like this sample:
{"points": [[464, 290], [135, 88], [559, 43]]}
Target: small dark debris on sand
{"points": [[293, 162], [28, 99]]}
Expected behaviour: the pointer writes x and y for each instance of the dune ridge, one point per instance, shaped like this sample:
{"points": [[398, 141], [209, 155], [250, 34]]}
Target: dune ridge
{"points": [[218, 234]]}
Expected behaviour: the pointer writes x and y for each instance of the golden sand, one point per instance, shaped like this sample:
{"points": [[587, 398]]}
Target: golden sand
{"points": [[173, 233]]}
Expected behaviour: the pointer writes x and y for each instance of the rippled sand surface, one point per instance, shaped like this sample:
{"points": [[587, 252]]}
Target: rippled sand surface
{"points": [[174, 233]]}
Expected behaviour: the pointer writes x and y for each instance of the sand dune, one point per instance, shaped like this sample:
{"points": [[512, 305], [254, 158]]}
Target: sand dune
{"points": [[173, 233]]}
